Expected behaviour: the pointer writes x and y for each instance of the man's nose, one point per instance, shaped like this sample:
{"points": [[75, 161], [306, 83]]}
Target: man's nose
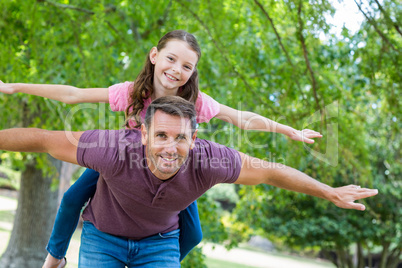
{"points": [[171, 147]]}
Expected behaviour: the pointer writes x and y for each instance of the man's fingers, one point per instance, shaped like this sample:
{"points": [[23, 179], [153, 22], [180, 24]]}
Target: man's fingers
{"points": [[357, 206], [308, 140], [364, 193], [350, 193]]}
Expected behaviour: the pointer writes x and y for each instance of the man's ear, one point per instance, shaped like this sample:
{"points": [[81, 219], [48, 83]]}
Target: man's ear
{"points": [[193, 139], [144, 135], [153, 54]]}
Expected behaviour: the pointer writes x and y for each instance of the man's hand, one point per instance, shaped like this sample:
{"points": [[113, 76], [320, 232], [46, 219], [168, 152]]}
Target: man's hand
{"points": [[345, 196], [304, 135]]}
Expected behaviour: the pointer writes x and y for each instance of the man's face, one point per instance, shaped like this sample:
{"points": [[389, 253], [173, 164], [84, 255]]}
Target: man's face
{"points": [[168, 142]]}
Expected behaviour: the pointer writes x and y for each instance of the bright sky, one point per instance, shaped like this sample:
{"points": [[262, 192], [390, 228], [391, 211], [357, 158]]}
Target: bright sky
{"points": [[348, 14]]}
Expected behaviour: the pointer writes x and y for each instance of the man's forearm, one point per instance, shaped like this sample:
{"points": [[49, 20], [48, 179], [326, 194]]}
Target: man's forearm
{"points": [[23, 140], [344, 197], [61, 145], [255, 171], [291, 179]]}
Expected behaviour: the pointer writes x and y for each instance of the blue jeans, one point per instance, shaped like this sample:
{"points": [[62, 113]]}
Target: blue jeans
{"points": [[84, 188], [99, 249]]}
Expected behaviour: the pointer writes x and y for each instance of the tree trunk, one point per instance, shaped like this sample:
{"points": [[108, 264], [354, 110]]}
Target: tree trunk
{"points": [[360, 255], [384, 254], [33, 221], [370, 260], [394, 258]]}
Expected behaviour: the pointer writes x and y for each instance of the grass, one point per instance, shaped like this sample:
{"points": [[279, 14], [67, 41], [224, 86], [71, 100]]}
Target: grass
{"points": [[304, 259], [6, 216], [214, 263]]}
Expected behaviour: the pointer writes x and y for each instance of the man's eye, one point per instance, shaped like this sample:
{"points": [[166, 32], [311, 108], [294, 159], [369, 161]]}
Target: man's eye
{"points": [[160, 135]]}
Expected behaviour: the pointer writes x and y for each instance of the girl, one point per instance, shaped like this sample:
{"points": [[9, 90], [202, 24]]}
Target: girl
{"points": [[170, 69]]}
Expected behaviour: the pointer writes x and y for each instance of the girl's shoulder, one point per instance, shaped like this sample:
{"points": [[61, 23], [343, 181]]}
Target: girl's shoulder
{"points": [[206, 107], [127, 86], [119, 95], [205, 99]]}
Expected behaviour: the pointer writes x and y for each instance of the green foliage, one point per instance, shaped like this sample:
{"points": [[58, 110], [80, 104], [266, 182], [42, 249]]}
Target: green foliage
{"points": [[11, 178], [195, 259], [265, 58]]}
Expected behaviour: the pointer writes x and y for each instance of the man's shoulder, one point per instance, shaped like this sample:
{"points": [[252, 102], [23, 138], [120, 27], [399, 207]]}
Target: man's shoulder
{"points": [[108, 135], [203, 146], [124, 131]]}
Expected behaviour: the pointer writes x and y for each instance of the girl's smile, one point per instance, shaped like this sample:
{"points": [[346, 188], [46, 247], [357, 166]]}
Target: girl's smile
{"points": [[170, 77]]}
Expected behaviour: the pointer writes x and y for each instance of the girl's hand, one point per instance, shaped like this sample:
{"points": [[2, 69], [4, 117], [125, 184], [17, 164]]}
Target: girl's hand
{"points": [[304, 135], [6, 88]]}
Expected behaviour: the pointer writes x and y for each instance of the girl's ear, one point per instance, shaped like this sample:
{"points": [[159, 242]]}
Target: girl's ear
{"points": [[153, 54]]}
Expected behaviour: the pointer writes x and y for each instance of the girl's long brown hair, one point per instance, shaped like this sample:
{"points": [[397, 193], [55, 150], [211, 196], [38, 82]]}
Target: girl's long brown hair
{"points": [[143, 84]]}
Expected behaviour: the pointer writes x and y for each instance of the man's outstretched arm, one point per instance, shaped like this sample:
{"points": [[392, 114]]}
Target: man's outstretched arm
{"points": [[61, 145], [255, 171]]}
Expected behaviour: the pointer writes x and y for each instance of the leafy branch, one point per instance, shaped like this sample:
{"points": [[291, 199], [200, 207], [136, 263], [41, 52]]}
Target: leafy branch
{"points": [[387, 17], [112, 8], [372, 22], [306, 58], [158, 22], [280, 44], [275, 31], [64, 6], [218, 46]]}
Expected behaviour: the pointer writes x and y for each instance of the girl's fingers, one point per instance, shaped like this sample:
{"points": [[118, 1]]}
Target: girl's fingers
{"points": [[310, 132]]}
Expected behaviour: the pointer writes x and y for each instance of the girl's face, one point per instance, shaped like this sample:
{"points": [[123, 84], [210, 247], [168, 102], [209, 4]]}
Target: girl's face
{"points": [[174, 65]]}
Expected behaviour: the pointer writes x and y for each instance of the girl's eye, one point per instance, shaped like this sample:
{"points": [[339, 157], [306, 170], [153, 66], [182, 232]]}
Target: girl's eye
{"points": [[187, 67], [170, 58]]}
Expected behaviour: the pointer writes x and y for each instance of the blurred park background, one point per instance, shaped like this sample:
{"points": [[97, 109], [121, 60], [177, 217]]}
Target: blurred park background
{"points": [[288, 60]]}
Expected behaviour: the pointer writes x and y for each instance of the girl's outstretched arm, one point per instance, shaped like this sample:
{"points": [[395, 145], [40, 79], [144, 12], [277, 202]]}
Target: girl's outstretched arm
{"points": [[253, 121], [66, 94]]}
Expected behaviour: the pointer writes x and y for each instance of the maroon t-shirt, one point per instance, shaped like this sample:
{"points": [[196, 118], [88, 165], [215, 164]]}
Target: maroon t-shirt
{"points": [[129, 200]]}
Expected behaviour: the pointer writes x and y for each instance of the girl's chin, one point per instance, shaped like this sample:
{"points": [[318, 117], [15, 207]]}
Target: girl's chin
{"points": [[169, 86]]}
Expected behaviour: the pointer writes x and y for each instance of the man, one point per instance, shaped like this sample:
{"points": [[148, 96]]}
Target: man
{"points": [[149, 176]]}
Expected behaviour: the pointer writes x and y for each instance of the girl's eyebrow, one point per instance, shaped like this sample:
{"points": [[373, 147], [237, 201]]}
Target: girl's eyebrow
{"points": [[172, 54]]}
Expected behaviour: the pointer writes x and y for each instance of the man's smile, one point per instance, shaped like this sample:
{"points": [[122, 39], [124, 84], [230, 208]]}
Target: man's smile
{"points": [[169, 158]]}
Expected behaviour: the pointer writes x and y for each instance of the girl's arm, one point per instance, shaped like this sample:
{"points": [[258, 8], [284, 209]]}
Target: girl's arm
{"points": [[252, 121], [66, 94]]}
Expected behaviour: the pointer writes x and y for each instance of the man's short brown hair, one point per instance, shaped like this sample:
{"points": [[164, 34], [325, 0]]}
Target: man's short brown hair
{"points": [[172, 105]]}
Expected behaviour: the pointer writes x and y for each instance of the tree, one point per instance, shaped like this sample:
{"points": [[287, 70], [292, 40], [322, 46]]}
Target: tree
{"points": [[365, 79]]}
